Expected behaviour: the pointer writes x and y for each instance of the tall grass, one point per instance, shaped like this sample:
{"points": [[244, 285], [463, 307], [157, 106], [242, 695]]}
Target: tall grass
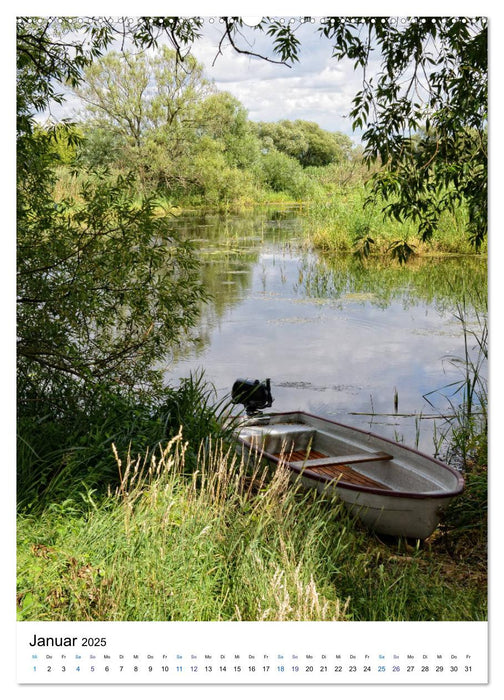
{"points": [[58, 455], [226, 542], [343, 224], [465, 431], [172, 546]]}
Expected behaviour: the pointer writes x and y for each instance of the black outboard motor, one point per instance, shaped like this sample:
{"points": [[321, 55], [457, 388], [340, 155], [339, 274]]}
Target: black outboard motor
{"points": [[253, 394]]}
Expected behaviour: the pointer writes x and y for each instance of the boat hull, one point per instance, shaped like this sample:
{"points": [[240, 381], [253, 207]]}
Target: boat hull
{"points": [[392, 489], [399, 516]]}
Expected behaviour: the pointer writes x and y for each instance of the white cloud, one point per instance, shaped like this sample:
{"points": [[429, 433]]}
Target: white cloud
{"points": [[317, 88]]}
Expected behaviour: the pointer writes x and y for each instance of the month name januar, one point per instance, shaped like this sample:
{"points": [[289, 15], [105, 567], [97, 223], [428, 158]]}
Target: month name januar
{"points": [[52, 641]]}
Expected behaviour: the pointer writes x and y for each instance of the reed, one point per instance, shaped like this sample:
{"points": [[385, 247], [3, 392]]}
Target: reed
{"points": [[171, 545], [56, 455], [345, 223], [463, 435]]}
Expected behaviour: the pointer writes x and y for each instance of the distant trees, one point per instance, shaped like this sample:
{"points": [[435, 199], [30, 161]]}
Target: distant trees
{"points": [[422, 107], [104, 287], [290, 147], [305, 141], [163, 119], [148, 105]]}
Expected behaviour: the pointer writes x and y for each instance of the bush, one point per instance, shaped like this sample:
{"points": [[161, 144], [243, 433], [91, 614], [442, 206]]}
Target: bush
{"points": [[282, 173], [58, 455]]}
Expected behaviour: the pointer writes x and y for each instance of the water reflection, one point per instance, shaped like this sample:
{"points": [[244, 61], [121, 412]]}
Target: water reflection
{"points": [[337, 337], [438, 281]]}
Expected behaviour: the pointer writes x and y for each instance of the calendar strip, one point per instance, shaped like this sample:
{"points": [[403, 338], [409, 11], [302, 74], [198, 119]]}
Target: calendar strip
{"points": [[252, 652]]}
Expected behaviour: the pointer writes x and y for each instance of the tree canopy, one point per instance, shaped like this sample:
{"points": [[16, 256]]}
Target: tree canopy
{"points": [[305, 141], [423, 114]]}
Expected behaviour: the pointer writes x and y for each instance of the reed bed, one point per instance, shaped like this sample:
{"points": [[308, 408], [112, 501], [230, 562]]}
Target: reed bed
{"points": [[346, 224]]}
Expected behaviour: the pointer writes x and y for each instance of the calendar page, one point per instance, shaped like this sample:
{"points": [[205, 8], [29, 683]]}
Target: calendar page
{"points": [[252, 349]]}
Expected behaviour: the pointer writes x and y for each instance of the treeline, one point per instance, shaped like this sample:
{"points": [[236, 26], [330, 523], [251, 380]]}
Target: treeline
{"points": [[165, 122]]}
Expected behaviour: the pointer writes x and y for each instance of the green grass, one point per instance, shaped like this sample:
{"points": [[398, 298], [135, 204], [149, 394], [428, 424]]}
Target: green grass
{"points": [[123, 517], [342, 224], [333, 197], [227, 542], [187, 531]]}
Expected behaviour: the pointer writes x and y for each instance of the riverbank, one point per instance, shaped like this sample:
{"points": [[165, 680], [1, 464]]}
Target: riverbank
{"points": [[346, 224], [186, 531], [333, 202], [195, 536], [227, 544]]}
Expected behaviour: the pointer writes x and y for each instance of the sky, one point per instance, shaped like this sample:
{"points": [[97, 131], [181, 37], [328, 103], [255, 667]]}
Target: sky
{"points": [[316, 88]]}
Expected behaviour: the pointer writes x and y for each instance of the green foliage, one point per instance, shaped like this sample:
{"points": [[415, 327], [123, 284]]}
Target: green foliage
{"points": [[100, 148], [401, 251], [224, 121], [135, 93], [165, 121], [149, 105], [50, 51], [305, 141], [424, 114], [229, 543], [216, 183], [104, 287], [62, 454], [351, 223], [362, 241], [283, 173]]}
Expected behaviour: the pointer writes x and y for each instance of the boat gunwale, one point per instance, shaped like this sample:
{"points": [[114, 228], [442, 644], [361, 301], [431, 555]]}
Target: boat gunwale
{"points": [[325, 478]]}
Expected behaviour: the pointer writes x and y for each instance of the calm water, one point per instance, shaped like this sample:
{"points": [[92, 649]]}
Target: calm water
{"points": [[336, 338]]}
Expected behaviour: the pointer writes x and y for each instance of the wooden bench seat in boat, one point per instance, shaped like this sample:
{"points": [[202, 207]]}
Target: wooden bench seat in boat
{"points": [[346, 474], [342, 459], [337, 467]]}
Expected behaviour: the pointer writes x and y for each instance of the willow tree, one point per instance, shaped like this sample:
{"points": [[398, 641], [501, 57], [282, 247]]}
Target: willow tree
{"points": [[104, 287], [423, 114], [422, 108]]}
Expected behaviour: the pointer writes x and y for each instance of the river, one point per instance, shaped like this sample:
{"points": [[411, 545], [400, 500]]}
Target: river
{"points": [[375, 346]]}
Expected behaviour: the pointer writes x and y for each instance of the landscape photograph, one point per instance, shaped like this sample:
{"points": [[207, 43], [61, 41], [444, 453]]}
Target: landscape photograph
{"points": [[252, 318]]}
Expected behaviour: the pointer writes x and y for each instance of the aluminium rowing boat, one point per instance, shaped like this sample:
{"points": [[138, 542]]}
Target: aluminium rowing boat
{"points": [[393, 489]]}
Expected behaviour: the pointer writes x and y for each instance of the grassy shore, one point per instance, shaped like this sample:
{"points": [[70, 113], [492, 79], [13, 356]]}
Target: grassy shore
{"points": [[229, 542], [123, 517], [343, 224]]}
